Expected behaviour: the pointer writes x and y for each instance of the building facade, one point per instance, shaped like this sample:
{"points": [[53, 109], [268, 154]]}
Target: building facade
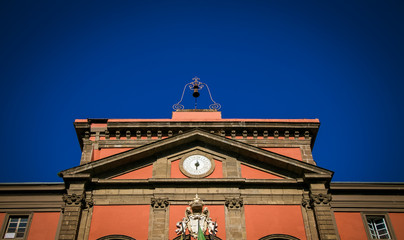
{"points": [[234, 179]]}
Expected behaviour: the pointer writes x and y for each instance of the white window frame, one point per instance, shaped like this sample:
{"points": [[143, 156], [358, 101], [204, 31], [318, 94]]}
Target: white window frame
{"points": [[366, 216], [6, 223]]}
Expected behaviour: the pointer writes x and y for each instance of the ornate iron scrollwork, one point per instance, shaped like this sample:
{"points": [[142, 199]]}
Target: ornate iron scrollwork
{"points": [[196, 85]]}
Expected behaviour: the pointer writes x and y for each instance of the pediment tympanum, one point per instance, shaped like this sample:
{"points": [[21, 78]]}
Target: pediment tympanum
{"points": [[196, 154]]}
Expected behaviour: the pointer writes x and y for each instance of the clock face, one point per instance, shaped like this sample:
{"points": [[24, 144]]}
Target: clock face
{"points": [[197, 165]]}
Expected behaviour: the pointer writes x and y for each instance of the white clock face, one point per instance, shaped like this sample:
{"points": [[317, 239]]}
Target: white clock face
{"points": [[197, 164]]}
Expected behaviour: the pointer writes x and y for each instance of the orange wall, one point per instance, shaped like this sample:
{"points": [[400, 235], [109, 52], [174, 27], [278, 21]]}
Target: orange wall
{"points": [[252, 173], [44, 226], [218, 172], [106, 152], [142, 173], [263, 220], [288, 152], [177, 212], [350, 226], [129, 220], [397, 220], [176, 172], [2, 216]]}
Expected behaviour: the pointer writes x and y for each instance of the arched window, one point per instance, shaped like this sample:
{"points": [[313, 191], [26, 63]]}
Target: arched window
{"points": [[278, 237], [116, 237]]}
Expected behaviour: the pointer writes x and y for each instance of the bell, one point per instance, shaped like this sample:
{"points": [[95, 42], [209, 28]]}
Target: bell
{"points": [[196, 93]]}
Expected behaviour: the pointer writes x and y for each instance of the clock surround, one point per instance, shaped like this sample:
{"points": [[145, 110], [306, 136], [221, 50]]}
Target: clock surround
{"points": [[190, 174]]}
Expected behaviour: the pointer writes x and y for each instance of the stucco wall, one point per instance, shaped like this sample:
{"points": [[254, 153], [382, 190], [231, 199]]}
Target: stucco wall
{"points": [[129, 220], [263, 220], [44, 226], [350, 226]]}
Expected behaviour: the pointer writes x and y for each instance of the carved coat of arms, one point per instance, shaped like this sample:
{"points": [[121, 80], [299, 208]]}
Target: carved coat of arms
{"points": [[196, 219]]}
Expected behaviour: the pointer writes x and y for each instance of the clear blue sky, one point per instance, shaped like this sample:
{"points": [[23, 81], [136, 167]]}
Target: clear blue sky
{"points": [[340, 62]]}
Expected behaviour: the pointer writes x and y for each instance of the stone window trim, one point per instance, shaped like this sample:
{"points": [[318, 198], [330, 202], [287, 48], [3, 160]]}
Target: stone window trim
{"points": [[116, 237], [385, 215], [279, 237], [8, 216]]}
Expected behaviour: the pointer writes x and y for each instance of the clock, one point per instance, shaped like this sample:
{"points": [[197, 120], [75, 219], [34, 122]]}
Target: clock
{"points": [[197, 166]]}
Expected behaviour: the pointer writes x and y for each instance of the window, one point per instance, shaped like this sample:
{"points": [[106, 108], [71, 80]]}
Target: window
{"points": [[16, 227], [378, 227]]}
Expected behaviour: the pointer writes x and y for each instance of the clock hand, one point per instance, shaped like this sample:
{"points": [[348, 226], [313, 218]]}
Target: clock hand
{"points": [[197, 165]]}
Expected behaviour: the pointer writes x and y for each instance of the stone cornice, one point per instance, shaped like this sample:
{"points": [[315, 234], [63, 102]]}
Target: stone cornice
{"points": [[187, 182], [195, 135], [366, 186], [32, 187], [157, 128]]}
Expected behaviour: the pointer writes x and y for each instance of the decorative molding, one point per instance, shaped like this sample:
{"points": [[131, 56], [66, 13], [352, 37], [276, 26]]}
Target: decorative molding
{"points": [[159, 203], [321, 198], [89, 202], [278, 236], [118, 135], [71, 199], [87, 135], [276, 134], [222, 133], [159, 133], [116, 237], [306, 203], [234, 203]]}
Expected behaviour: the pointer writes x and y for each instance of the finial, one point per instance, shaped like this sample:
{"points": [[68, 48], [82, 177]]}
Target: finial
{"points": [[197, 204], [195, 86]]}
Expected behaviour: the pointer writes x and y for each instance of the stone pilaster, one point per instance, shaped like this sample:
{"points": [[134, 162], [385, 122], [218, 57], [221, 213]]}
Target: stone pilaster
{"points": [[158, 223], [231, 168], [71, 215], [86, 216], [307, 155], [161, 168], [87, 152], [235, 220], [320, 201], [308, 217]]}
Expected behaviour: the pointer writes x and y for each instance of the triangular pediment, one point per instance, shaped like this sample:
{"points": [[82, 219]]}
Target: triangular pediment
{"points": [[252, 157]]}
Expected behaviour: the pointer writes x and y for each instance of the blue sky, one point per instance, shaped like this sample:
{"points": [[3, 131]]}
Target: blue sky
{"points": [[341, 62]]}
